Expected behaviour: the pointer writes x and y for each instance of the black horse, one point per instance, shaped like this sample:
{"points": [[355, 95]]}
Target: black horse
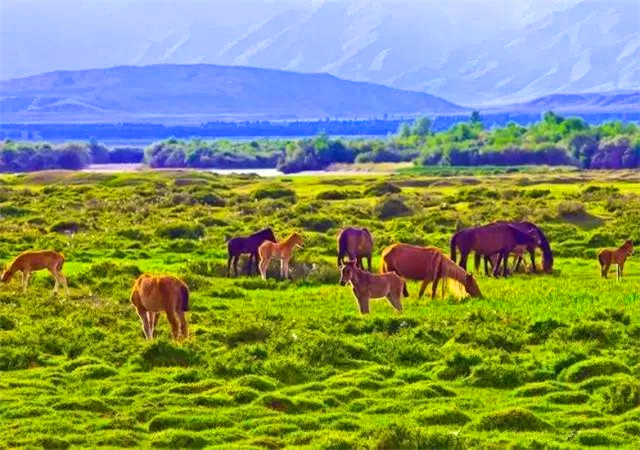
{"points": [[249, 244]]}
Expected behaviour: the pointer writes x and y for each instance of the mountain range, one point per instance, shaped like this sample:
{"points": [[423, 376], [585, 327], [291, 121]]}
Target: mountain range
{"points": [[197, 93], [470, 52]]}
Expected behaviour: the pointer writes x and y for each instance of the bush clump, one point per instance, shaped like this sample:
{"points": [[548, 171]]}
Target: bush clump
{"points": [[593, 368], [622, 395], [512, 419], [391, 206], [274, 192], [182, 230], [382, 188]]}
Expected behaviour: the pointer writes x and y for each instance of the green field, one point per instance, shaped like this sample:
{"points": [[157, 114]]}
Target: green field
{"points": [[542, 361]]}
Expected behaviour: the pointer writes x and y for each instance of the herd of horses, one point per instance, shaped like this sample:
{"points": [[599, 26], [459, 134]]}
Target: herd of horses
{"points": [[494, 243]]}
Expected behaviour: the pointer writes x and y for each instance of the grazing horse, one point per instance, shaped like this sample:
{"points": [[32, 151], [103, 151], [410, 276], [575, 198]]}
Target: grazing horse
{"points": [[282, 250], [249, 244], [499, 237], [426, 264], [541, 241], [356, 243], [32, 261], [366, 286], [617, 256], [152, 294]]}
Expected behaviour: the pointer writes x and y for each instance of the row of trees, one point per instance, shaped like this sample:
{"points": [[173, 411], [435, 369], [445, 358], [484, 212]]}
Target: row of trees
{"points": [[553, 140], [33, 156]]}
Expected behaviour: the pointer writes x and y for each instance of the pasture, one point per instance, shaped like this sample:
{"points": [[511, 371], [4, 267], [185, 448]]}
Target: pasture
{"points": [[542, 361]]}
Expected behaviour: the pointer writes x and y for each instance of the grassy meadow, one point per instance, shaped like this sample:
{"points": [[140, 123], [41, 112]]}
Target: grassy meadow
{"points": [[542, 361]]}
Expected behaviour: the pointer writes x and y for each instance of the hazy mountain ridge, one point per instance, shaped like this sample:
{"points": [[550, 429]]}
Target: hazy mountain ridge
{"points": [[203, 92]]}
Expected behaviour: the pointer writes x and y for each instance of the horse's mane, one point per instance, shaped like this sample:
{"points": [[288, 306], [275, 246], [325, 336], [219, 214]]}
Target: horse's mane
{"points": [[453, 276]]}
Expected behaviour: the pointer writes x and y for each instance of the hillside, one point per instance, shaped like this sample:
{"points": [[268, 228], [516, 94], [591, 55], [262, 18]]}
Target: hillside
{"points": [[597, 102], [195, 93]]}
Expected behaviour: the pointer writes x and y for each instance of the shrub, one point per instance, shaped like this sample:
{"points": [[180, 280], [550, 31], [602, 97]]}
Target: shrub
{"points": [[459, 365], [381, 188], [571, 208], [165, 354], [391, 206], [321, 224], [497, 375], [597, 438], [180, 230], [274, 192]]}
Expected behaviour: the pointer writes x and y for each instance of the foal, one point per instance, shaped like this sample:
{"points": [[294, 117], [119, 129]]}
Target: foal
{"points": [[153, 294], [282, 250], [32, 261], [617, 256], [366, 286]]}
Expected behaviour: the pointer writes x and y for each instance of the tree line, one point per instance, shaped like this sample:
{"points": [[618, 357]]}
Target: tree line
{"points": [[552, 140]]}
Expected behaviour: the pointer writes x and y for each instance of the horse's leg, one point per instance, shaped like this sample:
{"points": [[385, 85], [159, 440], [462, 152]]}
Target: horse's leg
{"points": [[285, 267], [394, 299], [250, 263], [425, 282], [496, 267], [184, 328], [151, 318], [256, 259], [144, 319], [532, 253], [487, 260], [236, 258], [369, 261], [264, 264], [464, 254], [359, 262], [363, 303], [63, 280], [25, 280], [505, 268], [434, 288], [605, 271], [175, 324], [229, 265]]}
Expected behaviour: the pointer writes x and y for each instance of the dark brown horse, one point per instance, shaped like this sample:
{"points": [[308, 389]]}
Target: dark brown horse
{"points": [[499, 237], [541, 241], [249, 244], [356, 243]]}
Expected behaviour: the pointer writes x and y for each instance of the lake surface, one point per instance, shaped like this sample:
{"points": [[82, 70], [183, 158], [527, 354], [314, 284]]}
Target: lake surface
{"points": [[268, 172]]}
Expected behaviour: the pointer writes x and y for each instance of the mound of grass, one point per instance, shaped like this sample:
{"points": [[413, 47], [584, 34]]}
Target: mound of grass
{"points": [[512, 419], [538, 389], [178, 439], [259, 383], [274, 192], [82, 404], [189, 422], [451, 415], [6, 323], [497, 375], [459, 365], [594, 367], [622, 395], [94, 372], [399, 436], [593, 438], [68, 227], [391, 206], [165, 354], [567, 398]]}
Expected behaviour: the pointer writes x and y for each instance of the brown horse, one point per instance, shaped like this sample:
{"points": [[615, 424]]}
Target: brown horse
{"points": [[486, 240], [152, 294], [282, 250], [426, 264], [32, 261], [356, 243], [366, 286], [617, 256]]}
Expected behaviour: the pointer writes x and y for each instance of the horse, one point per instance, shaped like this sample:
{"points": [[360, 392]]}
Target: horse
{"points": [[152, 294], [617, 256], [498, 237], [282, 250], [541, 241], [366, 286], [356, 243], [249, 244], [426, 264], [32, 261]]}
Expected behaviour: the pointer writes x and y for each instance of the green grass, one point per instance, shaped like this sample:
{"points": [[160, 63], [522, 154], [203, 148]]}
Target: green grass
{"points": [[540, 361]]}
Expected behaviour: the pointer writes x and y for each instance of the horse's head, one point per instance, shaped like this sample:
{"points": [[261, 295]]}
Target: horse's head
{"points": [[547, 265], [6, 276], [268, 235], [629, 245], [297, 240], [471, 286], [346, 272]]}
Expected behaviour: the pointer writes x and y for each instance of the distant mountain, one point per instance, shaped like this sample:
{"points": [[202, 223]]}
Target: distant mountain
{"points": [[605, 102], [196, 93], [471, 52]]}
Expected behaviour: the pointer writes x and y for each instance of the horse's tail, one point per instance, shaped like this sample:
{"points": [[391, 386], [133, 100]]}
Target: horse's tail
{"points": [[342, 246], [453, 245], [547, 254], [601, 257], [184, 296], [60, 262]]}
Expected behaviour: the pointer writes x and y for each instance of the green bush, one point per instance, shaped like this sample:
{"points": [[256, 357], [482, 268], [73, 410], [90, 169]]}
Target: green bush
{"points": [[594, 367], [391, 206], [180, 230], [512, 419], [622, 395]]}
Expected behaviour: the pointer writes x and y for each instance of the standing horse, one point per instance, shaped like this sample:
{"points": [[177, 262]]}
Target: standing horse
{"points": [[32, 261], [426, 264], [282, 250], [242, 245], [499, 237], [617, 256], [356, 243], [366, 286], [152, 294]]}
